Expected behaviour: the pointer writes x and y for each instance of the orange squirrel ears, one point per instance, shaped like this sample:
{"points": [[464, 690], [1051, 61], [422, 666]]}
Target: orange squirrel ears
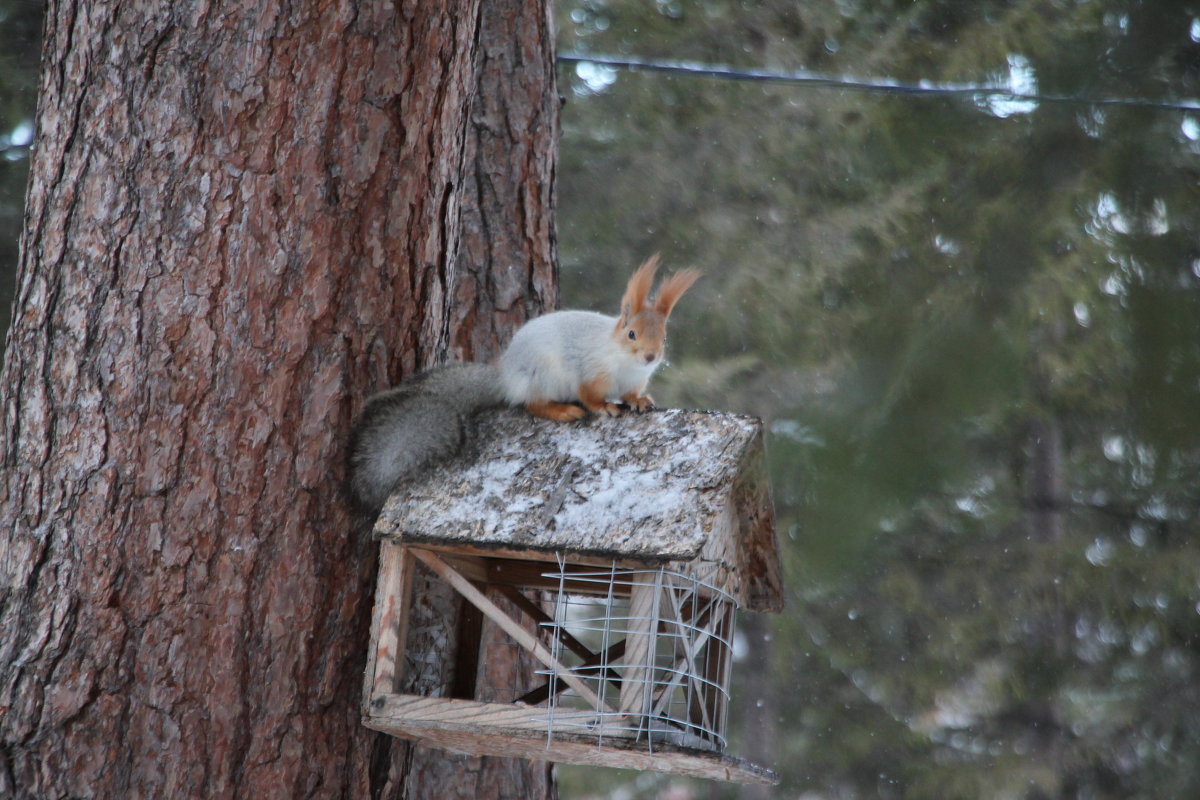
{"points": [[638, 291], [673, 288]]}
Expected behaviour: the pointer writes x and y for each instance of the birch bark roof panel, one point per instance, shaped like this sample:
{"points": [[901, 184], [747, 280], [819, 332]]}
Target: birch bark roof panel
{"points": [[655, 486]]}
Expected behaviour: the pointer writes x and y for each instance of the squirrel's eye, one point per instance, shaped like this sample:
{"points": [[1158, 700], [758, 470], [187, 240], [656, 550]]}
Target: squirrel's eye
{"points": [[632, 334]]}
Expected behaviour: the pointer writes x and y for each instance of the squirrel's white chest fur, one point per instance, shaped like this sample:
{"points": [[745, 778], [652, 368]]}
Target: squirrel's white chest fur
{"points": [[551, 356]]}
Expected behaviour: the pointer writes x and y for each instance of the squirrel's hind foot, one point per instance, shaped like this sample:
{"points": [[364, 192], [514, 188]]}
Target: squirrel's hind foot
{"points": [[559, 412]]}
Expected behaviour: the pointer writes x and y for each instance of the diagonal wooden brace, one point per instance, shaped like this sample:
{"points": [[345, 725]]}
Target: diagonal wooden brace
{"points": [[542, 618], [597, 662], [509, 625]]}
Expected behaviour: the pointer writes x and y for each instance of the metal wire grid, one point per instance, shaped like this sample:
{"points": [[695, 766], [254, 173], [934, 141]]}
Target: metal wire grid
{"points": [[662, 644]]}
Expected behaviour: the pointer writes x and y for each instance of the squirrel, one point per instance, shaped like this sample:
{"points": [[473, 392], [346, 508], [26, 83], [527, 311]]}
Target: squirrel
{"points": [[560, 366]]}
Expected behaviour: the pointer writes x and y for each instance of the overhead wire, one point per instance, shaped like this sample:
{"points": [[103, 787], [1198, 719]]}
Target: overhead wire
{"points": [[875, 85]]}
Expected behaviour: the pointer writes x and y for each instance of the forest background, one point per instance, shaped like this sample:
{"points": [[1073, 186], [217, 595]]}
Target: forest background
{"points": [[971, 321]]}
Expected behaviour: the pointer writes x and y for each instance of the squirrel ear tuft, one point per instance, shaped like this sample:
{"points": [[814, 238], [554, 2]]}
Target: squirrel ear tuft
{"points": [[673, 288], [638, 289]]}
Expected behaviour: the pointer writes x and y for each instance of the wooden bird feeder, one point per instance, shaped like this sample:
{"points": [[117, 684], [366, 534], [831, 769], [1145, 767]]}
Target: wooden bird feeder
{"points": [[615, 552]]}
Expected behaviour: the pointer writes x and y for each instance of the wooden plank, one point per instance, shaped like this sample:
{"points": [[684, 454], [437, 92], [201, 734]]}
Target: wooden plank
{"points": [[686, 651], [639, 649], [542, 618], [473, 568], [760, 572], [541, 559], [593, 662], [588, 579], [490, 729], [389, 621], [533, 573], [718, 662], [416, 711], [510, 626], [466, 661], [703, 692]]}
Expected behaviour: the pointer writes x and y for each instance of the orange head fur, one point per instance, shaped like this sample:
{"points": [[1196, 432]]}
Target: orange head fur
{"points": [[642, 327]]}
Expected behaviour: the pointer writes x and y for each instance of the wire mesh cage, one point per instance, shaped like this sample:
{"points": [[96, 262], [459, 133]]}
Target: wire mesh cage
{"points": [[636, 662], [653, 647]]}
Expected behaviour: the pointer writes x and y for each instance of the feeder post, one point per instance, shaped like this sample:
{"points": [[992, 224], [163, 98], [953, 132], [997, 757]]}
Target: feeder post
{"points": [[389, 621], [639, 648], [718, 662]]}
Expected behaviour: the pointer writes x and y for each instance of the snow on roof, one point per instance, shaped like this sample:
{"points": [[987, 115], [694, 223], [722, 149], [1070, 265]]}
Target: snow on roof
{"points": [[668, 485]]}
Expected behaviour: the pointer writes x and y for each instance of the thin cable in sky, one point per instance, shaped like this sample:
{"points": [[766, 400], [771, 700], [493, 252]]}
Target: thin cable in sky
{"points": [[876, 85]]}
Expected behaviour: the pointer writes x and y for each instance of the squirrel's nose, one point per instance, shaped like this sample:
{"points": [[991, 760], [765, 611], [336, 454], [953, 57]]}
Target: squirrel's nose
{"points": [[651, 357]]}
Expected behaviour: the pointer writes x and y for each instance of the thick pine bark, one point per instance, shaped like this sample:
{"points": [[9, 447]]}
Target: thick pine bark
{"points": [[240, 221], [508, 182]]}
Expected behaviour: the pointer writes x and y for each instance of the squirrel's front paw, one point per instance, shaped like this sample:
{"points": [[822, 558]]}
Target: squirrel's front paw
{"points": [[608, 409], [639, 402]]}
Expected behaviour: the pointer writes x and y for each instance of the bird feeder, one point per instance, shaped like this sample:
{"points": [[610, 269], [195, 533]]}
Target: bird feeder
{"points": [[614, 552]]}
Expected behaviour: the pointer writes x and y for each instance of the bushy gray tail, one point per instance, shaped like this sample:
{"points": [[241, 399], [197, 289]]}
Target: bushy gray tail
{"points": [[406, 430]]}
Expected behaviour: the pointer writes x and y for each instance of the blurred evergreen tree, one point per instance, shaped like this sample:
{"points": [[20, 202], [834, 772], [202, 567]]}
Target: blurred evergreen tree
{"points": [[20, 43], [972, 324]]}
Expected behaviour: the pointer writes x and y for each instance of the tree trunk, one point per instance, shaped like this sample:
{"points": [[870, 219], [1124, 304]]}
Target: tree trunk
{"points": [[761, 702], [507, 258], [239, 223]]}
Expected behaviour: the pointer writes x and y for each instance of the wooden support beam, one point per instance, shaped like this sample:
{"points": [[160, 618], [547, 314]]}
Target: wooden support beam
{"points": [[489, 729], [584, 579], [541, 617], [701, 700], [687, 652], [717, 665], [466, 659], [607, 657], [639, 648], [508, 625], [590, 659], [389, 621]]}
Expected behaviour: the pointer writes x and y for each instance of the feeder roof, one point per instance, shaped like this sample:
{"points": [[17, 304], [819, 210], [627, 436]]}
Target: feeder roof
{"points": [[666, 486]]}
